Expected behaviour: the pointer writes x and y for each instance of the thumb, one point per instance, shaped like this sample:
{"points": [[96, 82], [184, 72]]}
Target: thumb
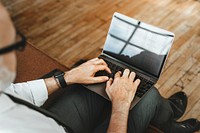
{"points": [[100, 79], [109, 82]]}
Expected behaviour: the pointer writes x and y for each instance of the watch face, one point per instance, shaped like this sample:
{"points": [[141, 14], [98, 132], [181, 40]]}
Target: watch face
{"points": [[59, 73]]}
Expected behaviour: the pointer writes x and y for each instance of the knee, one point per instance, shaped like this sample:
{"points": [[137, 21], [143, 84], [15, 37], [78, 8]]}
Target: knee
{"points": [[152, 97], [153, 94]]}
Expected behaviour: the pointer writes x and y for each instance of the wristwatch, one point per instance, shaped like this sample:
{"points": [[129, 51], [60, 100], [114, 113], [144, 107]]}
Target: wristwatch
{"points": [[59, 76]]}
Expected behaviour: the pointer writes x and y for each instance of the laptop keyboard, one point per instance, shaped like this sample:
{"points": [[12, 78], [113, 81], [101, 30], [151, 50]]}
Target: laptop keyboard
{"points": [[143, 87]]}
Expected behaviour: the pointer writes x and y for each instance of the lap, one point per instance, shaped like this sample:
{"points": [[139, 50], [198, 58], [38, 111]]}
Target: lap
{"points": [[80, 108], [85, 111], [145, 112]]}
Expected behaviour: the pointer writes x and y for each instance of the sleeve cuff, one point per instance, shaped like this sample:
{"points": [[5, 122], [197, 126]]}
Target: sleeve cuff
{"points": [[39, 91]]}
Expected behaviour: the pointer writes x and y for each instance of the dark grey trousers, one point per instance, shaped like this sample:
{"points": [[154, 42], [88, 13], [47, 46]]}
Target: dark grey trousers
{"points": [[86, 112]]}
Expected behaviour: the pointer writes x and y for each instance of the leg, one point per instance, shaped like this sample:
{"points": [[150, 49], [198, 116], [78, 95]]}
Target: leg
{"points": [[80, 108], [151, 109], [83, 110]]}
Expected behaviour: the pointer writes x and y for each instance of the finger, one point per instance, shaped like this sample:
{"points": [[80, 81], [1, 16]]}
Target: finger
{"points": [[99, 62], [118, 74], [102, 67], [108, 83], [89, 62], [100, 79], [93, 59], [132, 76], [137, 82], [126, 73]]}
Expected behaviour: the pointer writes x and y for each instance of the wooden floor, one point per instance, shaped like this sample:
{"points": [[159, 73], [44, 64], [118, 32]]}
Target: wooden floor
{"points": [[69, 30]]}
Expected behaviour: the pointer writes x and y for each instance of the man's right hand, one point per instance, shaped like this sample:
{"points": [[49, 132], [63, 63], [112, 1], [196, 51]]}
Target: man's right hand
{"points": [[121, 92], [122, 89]]}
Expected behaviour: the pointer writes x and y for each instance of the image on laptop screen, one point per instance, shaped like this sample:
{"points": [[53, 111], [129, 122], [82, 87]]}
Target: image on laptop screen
{"points": [[138, 44]]}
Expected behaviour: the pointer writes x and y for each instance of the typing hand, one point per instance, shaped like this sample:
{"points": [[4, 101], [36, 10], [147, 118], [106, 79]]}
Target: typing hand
{"points": [[84, 74], [122, 90]]}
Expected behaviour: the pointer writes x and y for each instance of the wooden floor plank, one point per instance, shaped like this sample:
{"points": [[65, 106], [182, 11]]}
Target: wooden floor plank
{"points": [[184, 80], [178, 58], [193, 97]]}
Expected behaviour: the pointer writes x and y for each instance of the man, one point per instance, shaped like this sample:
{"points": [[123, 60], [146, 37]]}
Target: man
{"points": [[78, 108]]}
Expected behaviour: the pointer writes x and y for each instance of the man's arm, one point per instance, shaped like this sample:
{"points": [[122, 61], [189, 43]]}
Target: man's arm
{"points": [[119, 118], [121, 92], [34, 91], [83, 74], [37, 91]]}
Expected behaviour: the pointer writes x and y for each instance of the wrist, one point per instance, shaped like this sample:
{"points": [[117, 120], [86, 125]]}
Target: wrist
{"points": [[120, 106], [60, 79], [51, 85], [69, 78]]}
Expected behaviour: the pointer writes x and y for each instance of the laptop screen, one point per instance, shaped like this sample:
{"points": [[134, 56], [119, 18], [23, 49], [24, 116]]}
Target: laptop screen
{"points": [[138, 44]]}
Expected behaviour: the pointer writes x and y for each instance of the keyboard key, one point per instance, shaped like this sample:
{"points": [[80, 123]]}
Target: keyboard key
{"points": [[142, 90], [138, 94]]}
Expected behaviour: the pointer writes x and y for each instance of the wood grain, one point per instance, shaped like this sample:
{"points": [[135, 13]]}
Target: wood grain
{"points": [[70, 30]]}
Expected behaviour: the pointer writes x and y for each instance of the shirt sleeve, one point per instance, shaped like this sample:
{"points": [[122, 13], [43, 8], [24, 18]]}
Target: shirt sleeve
{"points": [[34, 92]]}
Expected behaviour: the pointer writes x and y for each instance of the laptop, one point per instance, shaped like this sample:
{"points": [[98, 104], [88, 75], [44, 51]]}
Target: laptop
{"points": [[135, 45]]}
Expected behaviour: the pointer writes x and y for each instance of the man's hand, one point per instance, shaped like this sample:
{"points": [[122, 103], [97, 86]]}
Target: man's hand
{"points": [[84, 74], [121, 92], [122, 89]]}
